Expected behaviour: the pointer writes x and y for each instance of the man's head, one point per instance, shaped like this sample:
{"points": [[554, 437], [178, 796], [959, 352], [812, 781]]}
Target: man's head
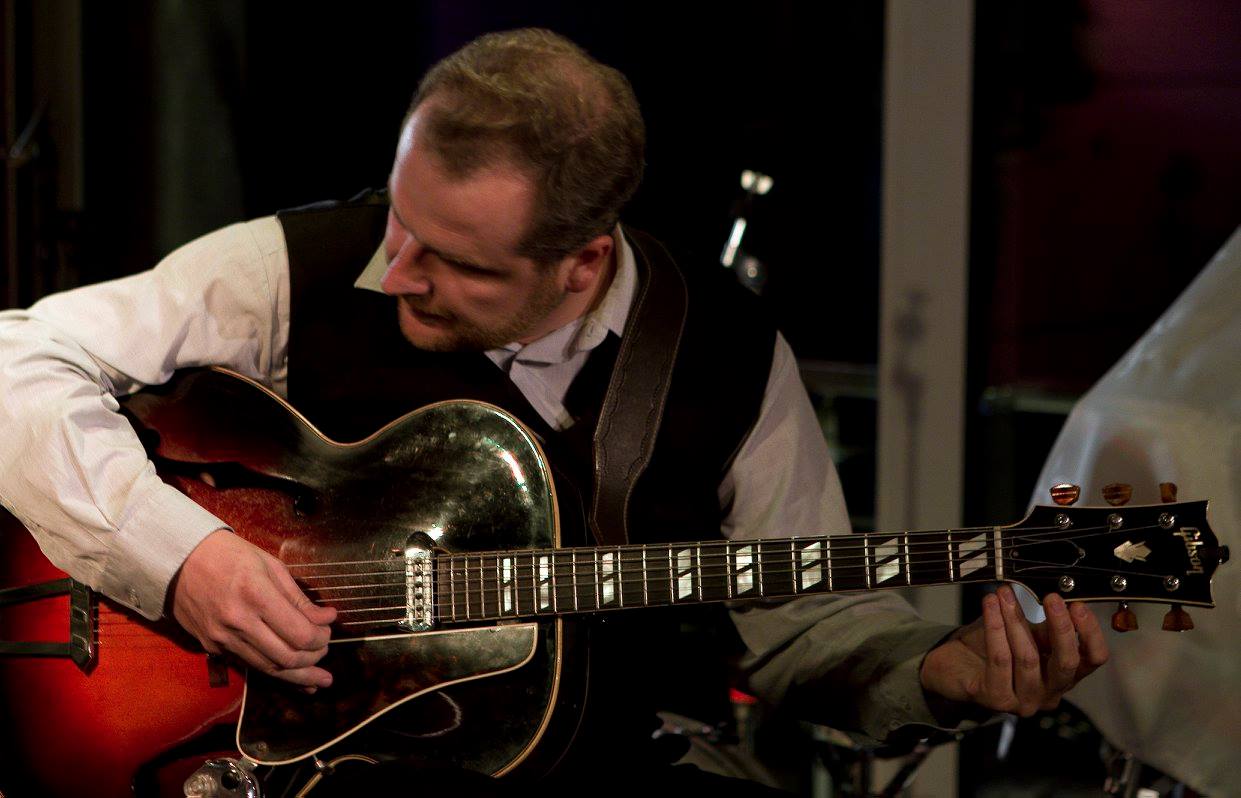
{"points": [[536, 101], [514, 162]]}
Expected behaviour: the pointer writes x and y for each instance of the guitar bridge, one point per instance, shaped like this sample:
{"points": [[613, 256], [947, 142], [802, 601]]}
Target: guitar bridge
{"points": [[419, 584]]}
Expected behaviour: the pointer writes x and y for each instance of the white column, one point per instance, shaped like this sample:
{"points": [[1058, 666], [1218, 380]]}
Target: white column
{"points": [[926, 167]]}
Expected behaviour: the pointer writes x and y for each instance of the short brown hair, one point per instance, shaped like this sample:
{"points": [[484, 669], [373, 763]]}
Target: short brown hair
{"points": [[536, 100]]}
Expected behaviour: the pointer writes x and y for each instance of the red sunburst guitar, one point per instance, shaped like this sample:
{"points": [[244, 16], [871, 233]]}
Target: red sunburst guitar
{"points": [[459, 636]]}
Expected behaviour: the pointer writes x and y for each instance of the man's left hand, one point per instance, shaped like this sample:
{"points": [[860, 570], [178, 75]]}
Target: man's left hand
{"points": [[1003, 663]]}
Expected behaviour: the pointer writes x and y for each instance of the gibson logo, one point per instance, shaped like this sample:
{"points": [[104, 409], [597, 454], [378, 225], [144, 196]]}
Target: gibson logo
{"points": [[1192, 539]]}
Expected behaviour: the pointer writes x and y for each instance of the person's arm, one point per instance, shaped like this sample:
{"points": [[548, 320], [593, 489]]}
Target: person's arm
{"points": [[867, 662], [849, 661], [73, 471]]}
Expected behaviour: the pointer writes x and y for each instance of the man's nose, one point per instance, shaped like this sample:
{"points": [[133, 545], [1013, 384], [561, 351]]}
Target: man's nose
{"points": [[407, 273]]}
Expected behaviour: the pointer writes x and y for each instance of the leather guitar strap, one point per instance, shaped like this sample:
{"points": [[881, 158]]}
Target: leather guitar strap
{"points": [[638, 390]]}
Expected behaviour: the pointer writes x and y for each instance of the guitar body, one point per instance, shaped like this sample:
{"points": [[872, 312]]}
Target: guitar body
{"points": [[494, 698], [142, 712], [438, 539]]}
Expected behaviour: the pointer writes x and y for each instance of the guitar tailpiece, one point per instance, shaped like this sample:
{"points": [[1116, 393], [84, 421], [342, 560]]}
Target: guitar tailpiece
{"points": [[223, 778]]}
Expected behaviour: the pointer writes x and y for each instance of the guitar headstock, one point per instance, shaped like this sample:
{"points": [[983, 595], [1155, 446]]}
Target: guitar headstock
{"points": [[1163, 553]]}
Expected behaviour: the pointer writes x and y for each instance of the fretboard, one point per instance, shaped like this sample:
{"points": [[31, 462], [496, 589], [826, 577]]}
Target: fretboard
{"points": [[524, 583]]}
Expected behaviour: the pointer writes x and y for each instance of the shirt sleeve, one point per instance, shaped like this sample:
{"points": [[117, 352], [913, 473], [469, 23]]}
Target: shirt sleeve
{"points": [[849, 661], [71, 468]]}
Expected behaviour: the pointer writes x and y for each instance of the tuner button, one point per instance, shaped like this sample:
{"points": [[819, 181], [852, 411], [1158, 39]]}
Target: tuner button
{"points": [[1065, 494], [1177, 620], [1124, 620], [1223, 554], [1117, 493], [1167, 492]]}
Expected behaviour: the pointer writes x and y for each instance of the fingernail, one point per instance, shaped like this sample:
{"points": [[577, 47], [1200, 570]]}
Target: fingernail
{"points": [[1006, 594]]}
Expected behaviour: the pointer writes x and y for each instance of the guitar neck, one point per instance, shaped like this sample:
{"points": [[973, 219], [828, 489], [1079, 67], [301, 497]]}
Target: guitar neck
{"points": [[534, 583]]}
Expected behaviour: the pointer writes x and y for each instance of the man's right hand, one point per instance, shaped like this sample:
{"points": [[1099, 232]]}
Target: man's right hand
{"points": [[235, 597]]}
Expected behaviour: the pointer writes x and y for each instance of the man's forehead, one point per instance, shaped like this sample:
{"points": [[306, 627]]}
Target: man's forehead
{"points": [[482, 215]]}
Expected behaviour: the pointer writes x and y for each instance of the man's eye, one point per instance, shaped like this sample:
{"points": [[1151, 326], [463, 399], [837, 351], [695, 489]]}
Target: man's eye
{"points": [[470, 268]]}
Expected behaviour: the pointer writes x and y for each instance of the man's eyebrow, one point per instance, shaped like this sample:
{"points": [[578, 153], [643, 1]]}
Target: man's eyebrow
{"points": [[444, 256]]}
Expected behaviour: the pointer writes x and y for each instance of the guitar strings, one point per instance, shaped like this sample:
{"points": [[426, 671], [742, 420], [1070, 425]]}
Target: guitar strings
{"points": [[705, 548], [524, 561], [859, 539], [517, 587], [523, 564], [484, 602], [522, 573]]}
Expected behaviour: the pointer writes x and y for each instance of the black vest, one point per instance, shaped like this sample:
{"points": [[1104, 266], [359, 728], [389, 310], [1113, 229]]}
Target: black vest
{"points": [[351, 371]]}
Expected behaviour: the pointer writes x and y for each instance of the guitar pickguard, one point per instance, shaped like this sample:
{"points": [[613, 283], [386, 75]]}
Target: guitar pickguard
{"points": [[283, 724]]}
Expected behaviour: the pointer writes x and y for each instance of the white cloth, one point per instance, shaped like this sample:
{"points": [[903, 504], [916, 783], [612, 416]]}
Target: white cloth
{"points": [[75, 474], [1170, 411]]}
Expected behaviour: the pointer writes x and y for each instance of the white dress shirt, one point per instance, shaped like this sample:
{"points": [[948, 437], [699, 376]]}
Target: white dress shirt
{"points": [[73, 471]]}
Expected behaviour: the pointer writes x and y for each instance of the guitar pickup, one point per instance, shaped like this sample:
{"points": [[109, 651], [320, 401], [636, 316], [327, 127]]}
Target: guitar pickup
{"points": [[419, 584]]}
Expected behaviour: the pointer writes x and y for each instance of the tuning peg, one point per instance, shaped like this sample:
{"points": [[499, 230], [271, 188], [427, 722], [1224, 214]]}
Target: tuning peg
{"points": [[1117, 493], [1167, 492], [1177, 620], [1123, 620], [1065, 494]]}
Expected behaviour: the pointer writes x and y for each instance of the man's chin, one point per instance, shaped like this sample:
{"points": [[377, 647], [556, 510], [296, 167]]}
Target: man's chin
{"points": [[438, 338]]}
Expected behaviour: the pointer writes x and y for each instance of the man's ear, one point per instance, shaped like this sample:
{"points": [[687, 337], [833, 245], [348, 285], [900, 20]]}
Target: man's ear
{"points": [[590, 264]]}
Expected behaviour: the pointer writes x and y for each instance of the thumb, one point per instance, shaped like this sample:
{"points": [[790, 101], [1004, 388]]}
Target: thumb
{"points": [[315, 613]]}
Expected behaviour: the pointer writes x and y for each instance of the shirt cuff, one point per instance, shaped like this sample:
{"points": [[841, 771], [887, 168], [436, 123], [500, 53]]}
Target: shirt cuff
{"points": [[150, 547], [900, 689]]}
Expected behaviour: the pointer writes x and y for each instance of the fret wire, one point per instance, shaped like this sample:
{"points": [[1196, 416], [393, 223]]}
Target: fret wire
{"points": [[620, 579], [646, 601], [827, 554], [698, 565], [908, 576], [573, 563], [512, 584], [452, 587], [758, 564], [795, 567], [551, 579], [534, 582], [728, 583], [671, 580], [499, 590], [483, 576], [595, 561]]}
